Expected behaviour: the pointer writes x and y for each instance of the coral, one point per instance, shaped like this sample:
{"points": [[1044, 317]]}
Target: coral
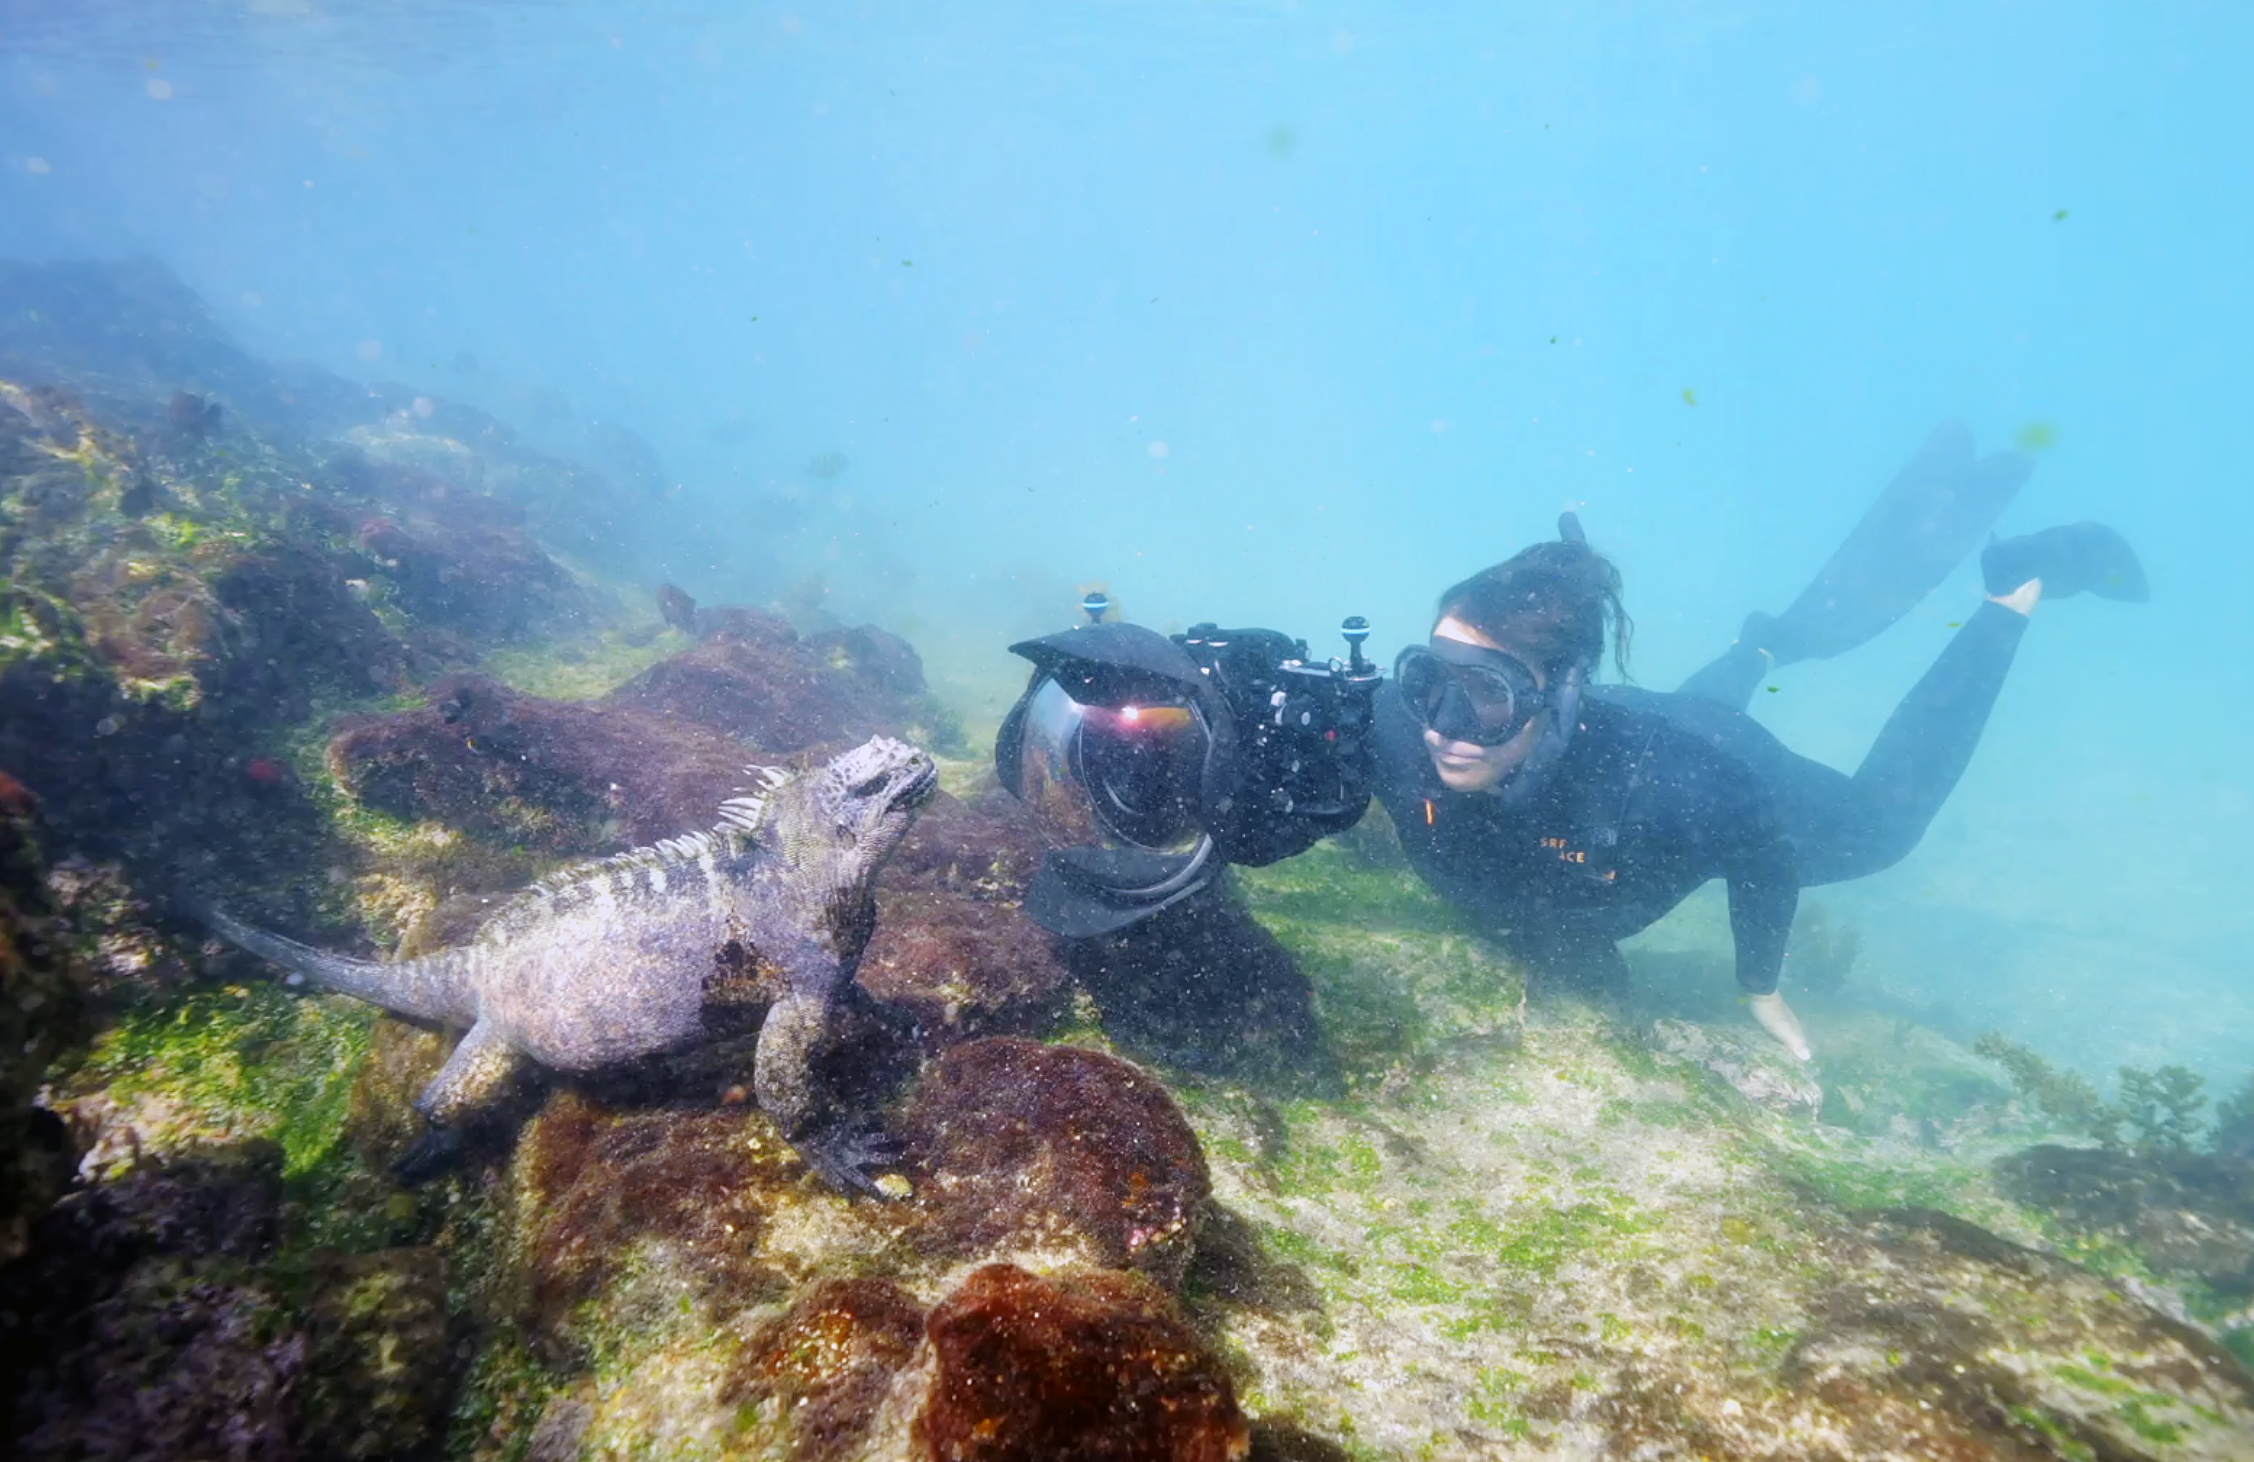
{"points": [[2234, 1123], [2162, 1107], [1054, 1149], [814, 1376], [2157, 1114], [1093, 1365]]}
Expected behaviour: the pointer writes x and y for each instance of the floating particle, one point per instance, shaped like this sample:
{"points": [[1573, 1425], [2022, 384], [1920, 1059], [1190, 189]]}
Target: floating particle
{"points": [[2035, 436], [1158, 449], [37, 165], [2059, 217], [159, 89], [1690, 396], [370, 350]]}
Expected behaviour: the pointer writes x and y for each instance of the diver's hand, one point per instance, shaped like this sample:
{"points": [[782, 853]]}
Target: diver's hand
{"points": [[1777, 1019]]}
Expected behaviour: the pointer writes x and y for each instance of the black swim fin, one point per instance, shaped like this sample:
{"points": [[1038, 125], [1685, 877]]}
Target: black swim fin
{"points": [[1934, 513], [2074, 559]]}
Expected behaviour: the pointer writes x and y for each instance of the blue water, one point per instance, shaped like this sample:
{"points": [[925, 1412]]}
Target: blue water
{"points": [[1269, 313]]}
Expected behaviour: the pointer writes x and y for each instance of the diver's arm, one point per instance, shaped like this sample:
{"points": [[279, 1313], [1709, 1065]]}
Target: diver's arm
{"points": [[1764, 895], [1777, 1019]]}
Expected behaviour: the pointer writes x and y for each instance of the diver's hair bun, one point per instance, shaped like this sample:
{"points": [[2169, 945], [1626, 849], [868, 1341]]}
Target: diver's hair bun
{"points": [[1555, 603]]}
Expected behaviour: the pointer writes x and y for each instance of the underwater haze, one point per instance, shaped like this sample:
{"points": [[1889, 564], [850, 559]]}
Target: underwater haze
{"points": [[931, 317]]}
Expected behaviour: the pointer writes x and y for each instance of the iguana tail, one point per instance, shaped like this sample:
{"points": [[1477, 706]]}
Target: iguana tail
{"points": [[436, 988]]}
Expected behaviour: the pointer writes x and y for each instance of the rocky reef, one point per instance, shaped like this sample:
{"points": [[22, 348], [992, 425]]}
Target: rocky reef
{"points": [[1298, 1171]]}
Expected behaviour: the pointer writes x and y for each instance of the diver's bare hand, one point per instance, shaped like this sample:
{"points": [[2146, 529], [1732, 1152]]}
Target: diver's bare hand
{"points": [[1777, 1019]]}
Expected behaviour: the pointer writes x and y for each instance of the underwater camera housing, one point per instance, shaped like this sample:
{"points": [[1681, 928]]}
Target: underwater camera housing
{"points": [[1152, 762]]}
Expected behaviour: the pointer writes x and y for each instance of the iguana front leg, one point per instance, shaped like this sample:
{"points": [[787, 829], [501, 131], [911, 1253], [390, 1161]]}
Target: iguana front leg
{"points": [[476, 1078]]}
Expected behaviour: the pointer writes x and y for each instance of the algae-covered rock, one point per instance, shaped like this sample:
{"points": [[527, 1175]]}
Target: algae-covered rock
{"points": [[154, 1317], [559, 777], [1203, 986], [2188, 1214], [1054, 1150], [813, 1379], [1095, 1365], [774, 691], [380, 1353], [1753, 1064], [41, 1016], [672, 1202], [962, 967]]}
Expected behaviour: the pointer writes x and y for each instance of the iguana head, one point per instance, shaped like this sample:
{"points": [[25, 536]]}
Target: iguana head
{"points": [[850, 813]]}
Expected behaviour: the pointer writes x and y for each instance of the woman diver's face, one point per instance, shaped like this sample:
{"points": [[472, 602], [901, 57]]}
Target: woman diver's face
{"points": [[1466, 766]]}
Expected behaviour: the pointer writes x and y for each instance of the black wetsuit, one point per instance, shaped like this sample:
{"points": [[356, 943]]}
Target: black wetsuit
{"points": [[1657, 793]]}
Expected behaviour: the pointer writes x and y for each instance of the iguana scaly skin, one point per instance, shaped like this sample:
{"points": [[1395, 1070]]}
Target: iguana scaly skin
{"points": [[632, 956]]}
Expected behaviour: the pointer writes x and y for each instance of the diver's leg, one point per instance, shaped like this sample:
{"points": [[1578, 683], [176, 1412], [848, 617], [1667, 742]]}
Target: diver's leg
{"points": [[1928, 742], [1929, 517], [1731, 678]]}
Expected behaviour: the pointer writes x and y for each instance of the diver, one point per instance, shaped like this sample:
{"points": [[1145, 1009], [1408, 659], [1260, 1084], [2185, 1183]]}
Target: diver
{"points": [[1565, 816], [1561, 815]]}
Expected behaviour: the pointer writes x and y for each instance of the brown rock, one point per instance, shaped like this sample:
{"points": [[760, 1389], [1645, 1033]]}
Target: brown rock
{"points": [[817, 1373], [41, 1015], [557, 776], [592, 1185], [986, 849], [962, 968], [377, 1326], [1094, 1365], [776, 695], [1018, 1144]]}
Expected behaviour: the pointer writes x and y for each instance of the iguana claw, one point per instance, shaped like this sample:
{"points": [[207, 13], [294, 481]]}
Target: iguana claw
{"points": [[843, 1156]]}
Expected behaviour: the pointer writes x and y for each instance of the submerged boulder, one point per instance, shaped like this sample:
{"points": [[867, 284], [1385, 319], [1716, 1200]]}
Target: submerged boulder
{"points": [[1096, 1365], [560, 777], [754, 678], [813, 1378], [1748, 1061], [1059, 1150], [2188, 1214], [41, 1016]]}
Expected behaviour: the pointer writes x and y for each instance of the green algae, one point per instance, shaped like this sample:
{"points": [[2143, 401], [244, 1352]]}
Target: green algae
{"points": [[1396, 973], [583, 669], [243, 1061]]}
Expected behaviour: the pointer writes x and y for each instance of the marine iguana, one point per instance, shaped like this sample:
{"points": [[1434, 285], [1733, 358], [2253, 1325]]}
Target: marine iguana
{"points": [[631, 956]]}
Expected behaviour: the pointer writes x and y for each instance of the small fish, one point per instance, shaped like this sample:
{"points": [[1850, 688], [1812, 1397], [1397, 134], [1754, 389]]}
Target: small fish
{"points": [[828, 465]]}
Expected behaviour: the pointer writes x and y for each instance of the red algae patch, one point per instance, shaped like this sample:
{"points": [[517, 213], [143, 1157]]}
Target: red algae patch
{"points": [[1095, 1365], [1022, 1145], [816, 1373]]}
